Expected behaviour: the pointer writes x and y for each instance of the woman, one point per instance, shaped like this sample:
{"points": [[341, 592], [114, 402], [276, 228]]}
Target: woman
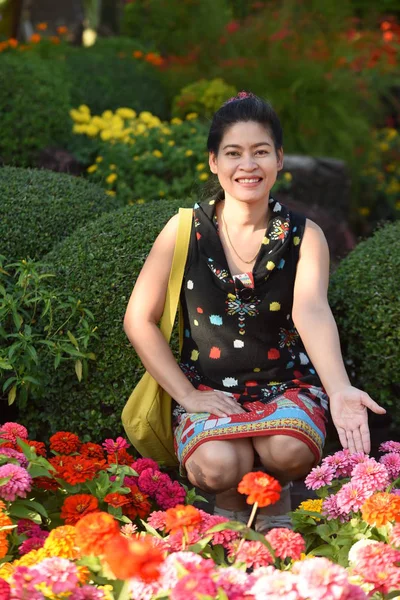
{"points": [[261, 354]]}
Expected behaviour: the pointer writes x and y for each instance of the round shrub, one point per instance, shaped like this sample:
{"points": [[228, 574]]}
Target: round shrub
{"points": [[39, 208], [106, 76], [99, 264], [364, 296], [34, 104], [203, 97]]}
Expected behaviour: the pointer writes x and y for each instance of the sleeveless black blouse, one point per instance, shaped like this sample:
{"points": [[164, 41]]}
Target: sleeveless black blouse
{"points": [[242, 339]]}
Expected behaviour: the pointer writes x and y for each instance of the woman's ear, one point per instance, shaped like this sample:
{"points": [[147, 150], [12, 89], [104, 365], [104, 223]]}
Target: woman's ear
{"points": [[280, 159], [212, 161]]}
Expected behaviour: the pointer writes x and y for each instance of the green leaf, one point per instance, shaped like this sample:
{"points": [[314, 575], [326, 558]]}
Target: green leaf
{"points": [[8, 382], [78, 369], [38, 471], [72, 339], [12, 394], [16, 510], [199, 546], [29, 504]]}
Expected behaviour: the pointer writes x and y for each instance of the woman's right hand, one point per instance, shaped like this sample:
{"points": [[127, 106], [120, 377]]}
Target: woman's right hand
{"points": [[211, 401]]}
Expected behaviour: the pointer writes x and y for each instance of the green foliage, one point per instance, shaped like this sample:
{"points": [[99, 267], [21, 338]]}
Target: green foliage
{"points": [[364, 296], [202, 97], [34, 101], [32, 331], [39, 208], [106, 76], [176, 27], [99, 263]]}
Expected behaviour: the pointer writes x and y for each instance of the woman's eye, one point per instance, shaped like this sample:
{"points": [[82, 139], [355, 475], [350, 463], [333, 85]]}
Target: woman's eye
{"points": [[232, 153]]}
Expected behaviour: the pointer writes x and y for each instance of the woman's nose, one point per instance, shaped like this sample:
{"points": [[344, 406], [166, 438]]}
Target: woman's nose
{"points": [[248, 162]]}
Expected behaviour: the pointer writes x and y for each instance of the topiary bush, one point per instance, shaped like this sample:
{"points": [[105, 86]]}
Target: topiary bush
{"points": [[39, 208], [34, 103], [364, 295], [107, 76], [99, 264]]}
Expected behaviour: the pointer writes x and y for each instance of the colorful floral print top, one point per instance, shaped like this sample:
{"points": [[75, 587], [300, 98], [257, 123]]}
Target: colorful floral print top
{"points": [[239, 335]]}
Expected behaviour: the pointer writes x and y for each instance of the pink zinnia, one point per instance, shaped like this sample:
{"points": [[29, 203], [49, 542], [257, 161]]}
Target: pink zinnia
{"points": [[330, 509], [129, 529], [157, 519], [319, 578], [11, 431], [394, 536], [171, 568], [113, 447], [150, 481], [177, 541], [352, 496], [58, 573], [390, 447], [33, 543], [193, 586], [319, 477], [286, 543], [18, 485], [252, 554], [4, 589], [11, 453], [371, 474], [23, 584], [87, 592], [170, 494], [392, 464], [28, 527], [223, 537], [353, 592], [233, 582], [141, 464], [277, 585], [340, 462]]}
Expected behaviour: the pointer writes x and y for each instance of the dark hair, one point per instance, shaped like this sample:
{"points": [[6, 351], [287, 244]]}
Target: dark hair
{"points": [[244, 107]]}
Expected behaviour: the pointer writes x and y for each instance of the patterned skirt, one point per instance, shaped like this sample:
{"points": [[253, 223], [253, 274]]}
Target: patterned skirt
{"points": [[294, 413]]}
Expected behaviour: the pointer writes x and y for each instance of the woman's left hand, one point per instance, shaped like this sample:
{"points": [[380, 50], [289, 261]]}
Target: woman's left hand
{"points": [[349, 414]]}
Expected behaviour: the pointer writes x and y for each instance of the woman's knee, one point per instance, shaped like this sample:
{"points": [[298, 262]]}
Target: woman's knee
{"points": [[218, 466], [285, 454]]}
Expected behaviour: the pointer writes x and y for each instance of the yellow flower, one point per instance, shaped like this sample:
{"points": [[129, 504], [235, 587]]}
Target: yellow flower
{"points": [[79, 117], [107, 591], [364, 211], [166, 131], [92, 130], [99, 159], [136, 158], [84, 108], [140, 201], [111, 178], [288, 177], [203, 176], [192, 130], [189, 153], [191, 116], [92, 169], [61, 542], [110, 192], [383, 146], [107, 114], [392, 133], [106, 135], [171, 143], [140, 128], [157, 153], [161, 193], [131, 202], [200, 166], [311, 505], [112, 167], [176, 121], [126, 113]]}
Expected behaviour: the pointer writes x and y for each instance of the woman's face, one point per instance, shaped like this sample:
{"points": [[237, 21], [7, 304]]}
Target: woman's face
{"points": [[247, 163]]}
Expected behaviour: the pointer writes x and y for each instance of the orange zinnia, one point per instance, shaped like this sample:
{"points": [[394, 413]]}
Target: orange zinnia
{"points": [[41, 26], [261, 488], [133, 558], [62, 30], [35, 38], [381, 508], [181, 516], [61, 542], [116, 499], [76, 507], [3, 544], [93, 532]]}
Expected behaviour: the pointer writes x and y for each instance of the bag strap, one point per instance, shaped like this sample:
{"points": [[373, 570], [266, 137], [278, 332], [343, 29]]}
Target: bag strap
{"points": [[176, 275]]}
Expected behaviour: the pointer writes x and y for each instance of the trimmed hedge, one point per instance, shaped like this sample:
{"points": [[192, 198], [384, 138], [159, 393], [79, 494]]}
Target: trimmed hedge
{"points": [[106, 77], [99, 264], [365, 299], [39, 208], [34, 104]]}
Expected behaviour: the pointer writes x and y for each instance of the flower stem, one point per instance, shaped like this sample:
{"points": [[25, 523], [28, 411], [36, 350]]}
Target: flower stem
{"points": [[249, 523]]}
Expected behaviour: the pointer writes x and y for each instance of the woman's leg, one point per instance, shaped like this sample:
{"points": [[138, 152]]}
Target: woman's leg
{"points": [[218, 466]]}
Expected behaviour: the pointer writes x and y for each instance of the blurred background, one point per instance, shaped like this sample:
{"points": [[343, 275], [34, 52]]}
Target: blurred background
{"points": [[105, 107]]}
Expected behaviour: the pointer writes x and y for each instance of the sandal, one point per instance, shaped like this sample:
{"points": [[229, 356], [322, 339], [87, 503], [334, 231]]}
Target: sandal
{"points": [[233, 515], [265, 521]]}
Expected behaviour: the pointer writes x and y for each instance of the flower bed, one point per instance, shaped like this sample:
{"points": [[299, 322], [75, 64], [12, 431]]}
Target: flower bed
{"points": [[88, 521]]}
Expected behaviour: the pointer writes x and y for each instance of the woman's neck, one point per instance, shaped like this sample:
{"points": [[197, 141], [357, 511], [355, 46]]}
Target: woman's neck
{"points": [[240, 214]]}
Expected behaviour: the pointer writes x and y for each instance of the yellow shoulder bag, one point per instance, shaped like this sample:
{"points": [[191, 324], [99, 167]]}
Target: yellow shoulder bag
{"points": [[147, 417]]}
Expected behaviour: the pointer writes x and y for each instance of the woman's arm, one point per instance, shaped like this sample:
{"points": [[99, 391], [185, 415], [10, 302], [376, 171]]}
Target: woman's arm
{"points": [[142, 315], [314, 321]]}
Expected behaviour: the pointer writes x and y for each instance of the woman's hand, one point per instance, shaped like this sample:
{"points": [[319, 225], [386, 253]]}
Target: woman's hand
{"points": [[349, 414], [213, 401]]}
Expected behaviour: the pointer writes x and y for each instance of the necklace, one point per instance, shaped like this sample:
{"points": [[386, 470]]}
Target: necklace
{"points": [[248, 262]]}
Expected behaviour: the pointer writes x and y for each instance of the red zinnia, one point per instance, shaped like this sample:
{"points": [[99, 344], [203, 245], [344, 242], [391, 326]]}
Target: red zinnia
{"points": [[76, 507], [39, 447], [117, 500], [77, 469], [122, 457], [139, 505], [261, 488], [91, 450], [133, 558], [64, 442]]}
